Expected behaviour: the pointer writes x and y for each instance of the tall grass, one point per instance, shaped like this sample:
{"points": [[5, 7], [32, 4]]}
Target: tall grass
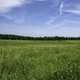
{"points": [[39, 60]]}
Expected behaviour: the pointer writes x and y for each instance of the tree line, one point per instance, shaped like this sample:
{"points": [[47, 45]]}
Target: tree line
{"points": [[18, 37]]}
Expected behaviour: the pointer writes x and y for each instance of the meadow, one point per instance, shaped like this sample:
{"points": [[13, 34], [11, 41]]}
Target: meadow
{"points": [[39, 60]]}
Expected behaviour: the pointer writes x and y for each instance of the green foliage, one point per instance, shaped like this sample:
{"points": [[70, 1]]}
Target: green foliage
{"points": [[39, 60]]}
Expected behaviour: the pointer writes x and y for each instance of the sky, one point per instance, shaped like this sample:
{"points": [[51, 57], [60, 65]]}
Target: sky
{"points": [[40, 17]]}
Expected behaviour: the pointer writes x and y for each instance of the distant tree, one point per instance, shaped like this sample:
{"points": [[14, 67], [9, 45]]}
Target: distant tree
{"points": [[18, 37]]}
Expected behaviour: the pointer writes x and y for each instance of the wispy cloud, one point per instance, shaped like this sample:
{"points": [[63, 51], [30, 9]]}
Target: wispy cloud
{"points": [[14, 19], [54, 20], [50, 21], [77, 12], [61, 8], [72, 8], [6, 5], [41, 0]]}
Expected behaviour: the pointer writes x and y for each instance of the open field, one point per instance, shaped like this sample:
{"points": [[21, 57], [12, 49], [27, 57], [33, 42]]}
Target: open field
{"points": [[39, 60]]}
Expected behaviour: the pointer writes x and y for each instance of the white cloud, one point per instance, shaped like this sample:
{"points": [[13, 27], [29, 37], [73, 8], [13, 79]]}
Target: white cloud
{"points": [[72, 8], [6, 5], [61, 8], [77, 12], [51, 20]]}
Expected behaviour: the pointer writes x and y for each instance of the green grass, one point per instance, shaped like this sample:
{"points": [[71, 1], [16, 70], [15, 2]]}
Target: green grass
{"points": [[39, 60]]}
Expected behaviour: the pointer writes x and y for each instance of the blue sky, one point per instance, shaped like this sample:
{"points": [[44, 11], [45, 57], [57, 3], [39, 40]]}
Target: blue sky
{"points": [[40, 17]]}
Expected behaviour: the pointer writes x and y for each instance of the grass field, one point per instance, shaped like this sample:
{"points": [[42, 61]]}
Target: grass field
{"points": [[39, 60]]}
